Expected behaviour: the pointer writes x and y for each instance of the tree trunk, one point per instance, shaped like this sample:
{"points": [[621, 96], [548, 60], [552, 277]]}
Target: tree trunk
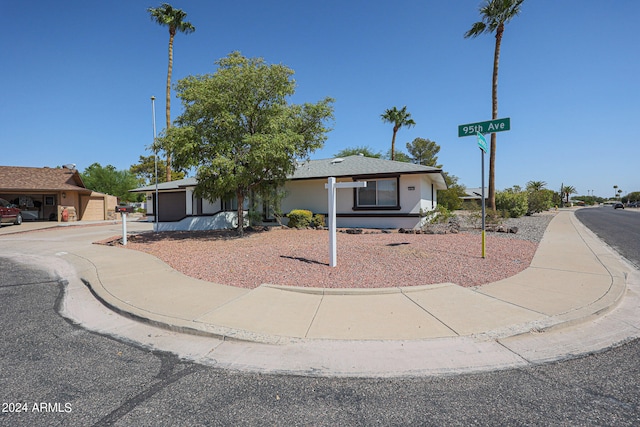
{"points": [[393, 144], [240, 228], [494, 116], [168, 100]]}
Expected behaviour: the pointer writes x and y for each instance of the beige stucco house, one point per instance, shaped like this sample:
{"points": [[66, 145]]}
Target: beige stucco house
{"points": [[46, 193]]}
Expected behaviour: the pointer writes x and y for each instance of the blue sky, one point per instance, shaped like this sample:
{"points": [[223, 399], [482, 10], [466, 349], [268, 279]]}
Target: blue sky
{"points": [[78, 76]]}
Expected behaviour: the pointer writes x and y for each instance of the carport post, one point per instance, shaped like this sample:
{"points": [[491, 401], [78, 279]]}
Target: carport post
{"points": [[331, 185]]}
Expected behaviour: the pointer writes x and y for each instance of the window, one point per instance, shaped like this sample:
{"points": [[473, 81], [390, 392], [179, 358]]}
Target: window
{"points": [[230, 204], [378, 193]]}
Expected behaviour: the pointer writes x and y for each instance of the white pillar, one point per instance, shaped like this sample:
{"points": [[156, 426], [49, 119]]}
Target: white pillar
{"points": [[331, 186], [124, 228]]}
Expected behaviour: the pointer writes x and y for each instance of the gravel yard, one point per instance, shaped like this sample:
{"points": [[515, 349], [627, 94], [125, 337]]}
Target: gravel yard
{"points": [[371, 260]]}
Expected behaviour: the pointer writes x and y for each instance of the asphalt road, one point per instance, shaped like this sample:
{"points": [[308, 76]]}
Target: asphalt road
{"points": [[55, 373], [619, 228]]}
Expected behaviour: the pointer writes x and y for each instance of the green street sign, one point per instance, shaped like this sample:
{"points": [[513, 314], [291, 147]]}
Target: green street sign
{"points": [[482, 142], [491, 126]]}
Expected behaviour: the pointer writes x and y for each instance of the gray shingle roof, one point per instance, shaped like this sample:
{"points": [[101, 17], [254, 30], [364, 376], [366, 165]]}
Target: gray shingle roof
{"points": [[357, 166], [172, 185], [350, 166]]}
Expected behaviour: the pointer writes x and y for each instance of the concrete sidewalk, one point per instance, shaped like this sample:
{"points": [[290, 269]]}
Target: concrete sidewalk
{"points": [[578, 296]]}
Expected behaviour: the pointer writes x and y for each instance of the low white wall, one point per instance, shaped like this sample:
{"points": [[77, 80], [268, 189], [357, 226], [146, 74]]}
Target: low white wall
{"points": [[220, 221]]}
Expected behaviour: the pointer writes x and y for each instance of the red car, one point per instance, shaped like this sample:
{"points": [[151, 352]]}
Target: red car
{"points": [[9, 213]]}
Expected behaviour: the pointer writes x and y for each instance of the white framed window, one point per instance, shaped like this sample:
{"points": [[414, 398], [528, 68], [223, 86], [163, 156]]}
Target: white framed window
{"points": [[379, 193]]}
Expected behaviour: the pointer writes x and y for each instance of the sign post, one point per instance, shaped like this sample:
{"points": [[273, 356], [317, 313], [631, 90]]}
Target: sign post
{"points": [[479, 129], [124, 210], [482, 143], [332, 185]]}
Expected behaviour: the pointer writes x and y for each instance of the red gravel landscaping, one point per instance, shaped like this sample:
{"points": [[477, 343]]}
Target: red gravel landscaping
{"points": [[300, 258]]}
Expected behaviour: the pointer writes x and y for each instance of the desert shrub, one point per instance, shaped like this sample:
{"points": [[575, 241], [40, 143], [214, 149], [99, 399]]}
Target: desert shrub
{"points": [[539, 201], [439, 220], [512, 204], [300, 218], [317, 221]]}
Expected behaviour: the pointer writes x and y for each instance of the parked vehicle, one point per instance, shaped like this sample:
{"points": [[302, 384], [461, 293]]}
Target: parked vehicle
{"points": [[618, 205], [9, 213]]}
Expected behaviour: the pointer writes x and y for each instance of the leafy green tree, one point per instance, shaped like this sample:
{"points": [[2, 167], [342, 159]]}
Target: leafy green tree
{"points": [[365, 150], [167, 16], [239, 131], [451, 197], [108, 180], [145, 171], [424, 152], [398, 118], [399, 156], [494, 15], [634, 196]]}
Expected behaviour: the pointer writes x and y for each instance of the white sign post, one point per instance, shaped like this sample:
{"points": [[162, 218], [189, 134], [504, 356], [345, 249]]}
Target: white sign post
{"points": [[332, 185], [124, 228]]}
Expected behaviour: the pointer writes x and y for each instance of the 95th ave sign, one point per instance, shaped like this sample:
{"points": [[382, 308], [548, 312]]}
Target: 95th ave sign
{"points": [[472, 129]]}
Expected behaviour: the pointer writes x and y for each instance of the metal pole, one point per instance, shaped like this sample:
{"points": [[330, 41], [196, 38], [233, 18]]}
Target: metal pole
{"points": [[155, 152], [483, 212]]}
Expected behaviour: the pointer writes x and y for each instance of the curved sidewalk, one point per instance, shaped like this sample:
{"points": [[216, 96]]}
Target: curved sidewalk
{"points": [[577, 296]]}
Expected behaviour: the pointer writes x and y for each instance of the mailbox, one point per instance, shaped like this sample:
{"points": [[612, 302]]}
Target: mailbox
{"points": [[124, 209]]}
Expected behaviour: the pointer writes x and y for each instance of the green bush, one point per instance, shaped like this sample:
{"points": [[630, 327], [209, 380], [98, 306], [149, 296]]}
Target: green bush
{"points": [[318, 220], [300, 218], [513, 204], [539, 201]]}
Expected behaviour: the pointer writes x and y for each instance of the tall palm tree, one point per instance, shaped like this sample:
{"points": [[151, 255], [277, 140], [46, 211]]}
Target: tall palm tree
{"points": [[167, 16], [568, 190], [398, 118], [494, 15]]}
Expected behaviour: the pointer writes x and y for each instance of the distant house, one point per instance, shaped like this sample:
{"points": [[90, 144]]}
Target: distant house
{"points": [[475, 195], [45, 193], [395, 194]]}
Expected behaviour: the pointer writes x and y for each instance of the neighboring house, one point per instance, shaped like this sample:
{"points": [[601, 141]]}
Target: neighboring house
{"points": [[45, 193], [396, 193], [475, 195]]}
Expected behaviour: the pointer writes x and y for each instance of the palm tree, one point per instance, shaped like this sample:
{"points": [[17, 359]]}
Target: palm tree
{"points": [[494, 14], [536, 185], [398, 118], [568, 190], [167, 16]]}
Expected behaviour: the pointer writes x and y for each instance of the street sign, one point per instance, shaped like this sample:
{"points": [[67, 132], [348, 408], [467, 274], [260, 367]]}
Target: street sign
{"points": [[491, 126], [482, 142]]}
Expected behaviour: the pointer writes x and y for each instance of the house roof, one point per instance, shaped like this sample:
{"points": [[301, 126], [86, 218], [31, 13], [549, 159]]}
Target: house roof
{"points": [[18, 178], [168, 186], [475, 193], [350, 166], [361, 166]]}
